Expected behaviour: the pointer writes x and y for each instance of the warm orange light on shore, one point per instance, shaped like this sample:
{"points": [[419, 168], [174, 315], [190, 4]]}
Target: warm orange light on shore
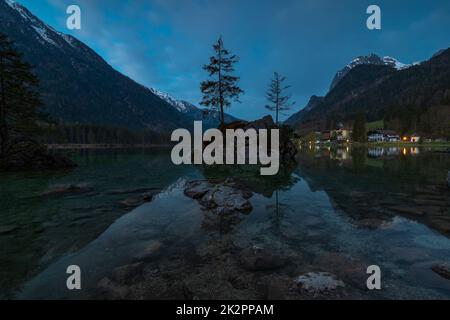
{"points": [[405, 138]]}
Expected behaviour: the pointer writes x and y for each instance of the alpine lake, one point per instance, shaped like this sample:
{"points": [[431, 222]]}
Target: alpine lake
{"points": [[123, 217]]}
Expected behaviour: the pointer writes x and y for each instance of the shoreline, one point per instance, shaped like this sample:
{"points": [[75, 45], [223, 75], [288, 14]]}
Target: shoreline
{"points": [[405, 144], [103, 146], [389, 144]]}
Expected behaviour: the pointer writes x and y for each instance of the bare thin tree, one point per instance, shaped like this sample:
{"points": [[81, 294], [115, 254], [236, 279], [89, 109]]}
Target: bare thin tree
{"points": [[278, 102]]}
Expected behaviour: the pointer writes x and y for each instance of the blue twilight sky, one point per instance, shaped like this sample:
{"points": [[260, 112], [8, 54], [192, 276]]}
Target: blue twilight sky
{"points": [[164, 43]]}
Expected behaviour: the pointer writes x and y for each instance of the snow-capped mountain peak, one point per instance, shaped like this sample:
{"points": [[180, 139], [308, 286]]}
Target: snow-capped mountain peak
{"points": [[376, 60], [372, 59]]}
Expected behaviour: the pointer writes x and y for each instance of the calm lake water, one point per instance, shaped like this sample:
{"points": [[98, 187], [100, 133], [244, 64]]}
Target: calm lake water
{"points": [[382, 206]]}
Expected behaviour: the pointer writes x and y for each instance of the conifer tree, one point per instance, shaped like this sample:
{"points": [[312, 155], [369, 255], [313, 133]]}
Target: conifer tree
{"points": [[19, 99], [359, 128], [222, 88]]}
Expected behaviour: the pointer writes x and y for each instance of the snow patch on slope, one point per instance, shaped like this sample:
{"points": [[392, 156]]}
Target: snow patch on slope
{"points": [[374, 59], [395, 63], [19, 9], [67, 38], [41, 28], [184, 106], [44, 35], [179, 105], [10, 3]]}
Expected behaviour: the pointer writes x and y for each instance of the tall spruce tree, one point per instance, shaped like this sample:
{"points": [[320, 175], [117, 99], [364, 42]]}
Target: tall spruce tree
{"points": [[222, 89], [275, 95], [359, 128], [19, 99]]}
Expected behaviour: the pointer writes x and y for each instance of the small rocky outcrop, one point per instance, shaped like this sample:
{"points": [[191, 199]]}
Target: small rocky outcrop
{"points": [[288, 150], [221, 198], [263, 123], [30, 155]]}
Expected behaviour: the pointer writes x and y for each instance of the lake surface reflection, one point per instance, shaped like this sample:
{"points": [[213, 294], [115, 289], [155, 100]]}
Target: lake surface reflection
{"points": [[338, 210]]}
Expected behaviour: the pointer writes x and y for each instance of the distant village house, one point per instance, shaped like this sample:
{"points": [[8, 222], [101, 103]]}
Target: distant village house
{"points": [[383, 136], [415, 138]]}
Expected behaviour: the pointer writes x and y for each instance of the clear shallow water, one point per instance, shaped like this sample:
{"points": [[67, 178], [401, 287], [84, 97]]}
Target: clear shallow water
{"points": [[333, 206]]}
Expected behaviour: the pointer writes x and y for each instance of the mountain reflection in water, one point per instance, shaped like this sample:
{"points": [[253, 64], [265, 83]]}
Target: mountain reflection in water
{"points": [[337, 210]]}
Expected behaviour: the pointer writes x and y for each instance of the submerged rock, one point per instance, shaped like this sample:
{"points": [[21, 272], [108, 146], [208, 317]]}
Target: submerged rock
{"points": [[259, 259], [131, 191], [109, 289], [408, 254], [346, 267], [8, 229], [409, 210], [61, 189], [442, 269], [277, 288], [136, 201], [318, 283], [150, 252], [127, 273], [371, 223]]}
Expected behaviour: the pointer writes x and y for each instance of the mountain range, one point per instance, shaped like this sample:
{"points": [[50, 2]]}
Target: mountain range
{"points": [[407, 97], [79, 86]]}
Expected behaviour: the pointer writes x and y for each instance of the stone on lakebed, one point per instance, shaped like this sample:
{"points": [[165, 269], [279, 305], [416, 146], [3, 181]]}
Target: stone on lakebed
{"points": [[442, 269], [260, 259], [318, 283]]}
